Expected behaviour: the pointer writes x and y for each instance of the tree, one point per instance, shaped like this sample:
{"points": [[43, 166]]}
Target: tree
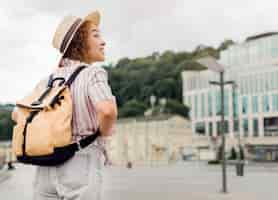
{"points": [[6, 125], [158, 74], [122, 62], [224, 45]]}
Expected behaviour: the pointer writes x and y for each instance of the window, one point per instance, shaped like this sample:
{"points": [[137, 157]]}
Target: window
{"points": [[218, 102], [226, 102], [235, 103], [209, 104], [255, 128], [189, 101], [267, 81], [271, 126], [275, 102], [244, 105], [200, 128], [265, 103], [190, 107], [256, 84], [248, 85], [226, 127], [203, 105], [196, 106], [274, 47], [260, 83], [251, 84], [276, 80], [210, 129], [236, 126], [273, 81], [245, 127], [255, 104]]}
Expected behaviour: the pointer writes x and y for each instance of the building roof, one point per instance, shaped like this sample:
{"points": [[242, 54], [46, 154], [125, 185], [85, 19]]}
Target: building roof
{"points": [[262, 35]]}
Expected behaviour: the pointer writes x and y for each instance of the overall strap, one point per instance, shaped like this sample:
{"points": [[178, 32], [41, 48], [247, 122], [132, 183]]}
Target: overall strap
{"points": [[83, 143]]}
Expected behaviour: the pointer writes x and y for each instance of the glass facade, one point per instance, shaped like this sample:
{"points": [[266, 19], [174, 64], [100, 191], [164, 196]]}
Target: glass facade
{"points": [[251, 67], [251, 52]]}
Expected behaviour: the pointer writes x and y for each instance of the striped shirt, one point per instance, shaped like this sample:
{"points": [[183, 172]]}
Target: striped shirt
{"points": [[90, 87]]}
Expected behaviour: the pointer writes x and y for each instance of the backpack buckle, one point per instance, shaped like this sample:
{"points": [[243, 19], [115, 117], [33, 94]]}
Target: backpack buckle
{"points": [[78, 145]]}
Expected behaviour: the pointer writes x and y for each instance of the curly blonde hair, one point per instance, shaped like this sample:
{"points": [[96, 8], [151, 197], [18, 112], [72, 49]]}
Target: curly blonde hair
{"points": [[79, 48]]}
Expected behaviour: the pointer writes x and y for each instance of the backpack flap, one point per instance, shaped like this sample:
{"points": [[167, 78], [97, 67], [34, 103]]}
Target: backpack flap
{"points": [[32, 101]]}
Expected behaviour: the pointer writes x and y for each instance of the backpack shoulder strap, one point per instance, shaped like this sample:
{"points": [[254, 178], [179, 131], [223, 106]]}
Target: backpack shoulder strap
{"points": [[74, 75]]}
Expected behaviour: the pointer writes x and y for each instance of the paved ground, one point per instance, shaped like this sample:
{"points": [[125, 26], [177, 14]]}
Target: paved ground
{"points": [[178, 182]]}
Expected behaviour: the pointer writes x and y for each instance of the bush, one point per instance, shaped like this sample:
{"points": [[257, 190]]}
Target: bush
{"points": [[175, 107], [213, 162], [132, 108]]}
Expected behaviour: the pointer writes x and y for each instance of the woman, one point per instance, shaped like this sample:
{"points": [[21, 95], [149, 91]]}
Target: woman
{"points": [[80, 43]]}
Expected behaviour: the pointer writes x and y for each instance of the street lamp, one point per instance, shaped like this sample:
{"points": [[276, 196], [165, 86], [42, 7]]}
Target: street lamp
{"points": [[213, 65], [152, 101], [162, 102]]}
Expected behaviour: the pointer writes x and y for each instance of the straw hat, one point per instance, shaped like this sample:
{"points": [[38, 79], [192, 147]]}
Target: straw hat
{"points": [[68, 27]]}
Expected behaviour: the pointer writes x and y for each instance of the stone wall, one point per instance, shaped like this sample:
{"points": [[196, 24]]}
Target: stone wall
{"points": [[151, 141]]}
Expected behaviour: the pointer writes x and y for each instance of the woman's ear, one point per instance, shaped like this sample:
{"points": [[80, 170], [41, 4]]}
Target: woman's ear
{"points": [[14, 115]]}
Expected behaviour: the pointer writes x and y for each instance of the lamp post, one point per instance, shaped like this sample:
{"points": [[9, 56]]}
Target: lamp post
{"points": [[162, 102], [213, 65], [235, 86], [152, 101]]}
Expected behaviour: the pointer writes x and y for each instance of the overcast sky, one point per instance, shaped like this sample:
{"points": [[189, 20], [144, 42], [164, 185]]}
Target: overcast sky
{"points": [[130, 28]]}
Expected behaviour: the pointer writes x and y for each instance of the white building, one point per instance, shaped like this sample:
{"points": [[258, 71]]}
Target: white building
{"points": [[251, 108]]}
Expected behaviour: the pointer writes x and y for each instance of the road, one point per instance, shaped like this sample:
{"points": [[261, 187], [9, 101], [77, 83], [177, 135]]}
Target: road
{"points": [[176, 182]]}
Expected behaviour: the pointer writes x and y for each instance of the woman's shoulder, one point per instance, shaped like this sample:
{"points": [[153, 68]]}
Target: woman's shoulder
{"points": [[95, 71]]}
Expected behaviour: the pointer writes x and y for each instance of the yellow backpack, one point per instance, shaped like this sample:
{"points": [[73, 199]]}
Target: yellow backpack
{"points": [[43, 133]]}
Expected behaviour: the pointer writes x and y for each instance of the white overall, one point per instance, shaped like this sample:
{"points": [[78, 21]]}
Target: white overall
{"points": [[78, 179]]}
